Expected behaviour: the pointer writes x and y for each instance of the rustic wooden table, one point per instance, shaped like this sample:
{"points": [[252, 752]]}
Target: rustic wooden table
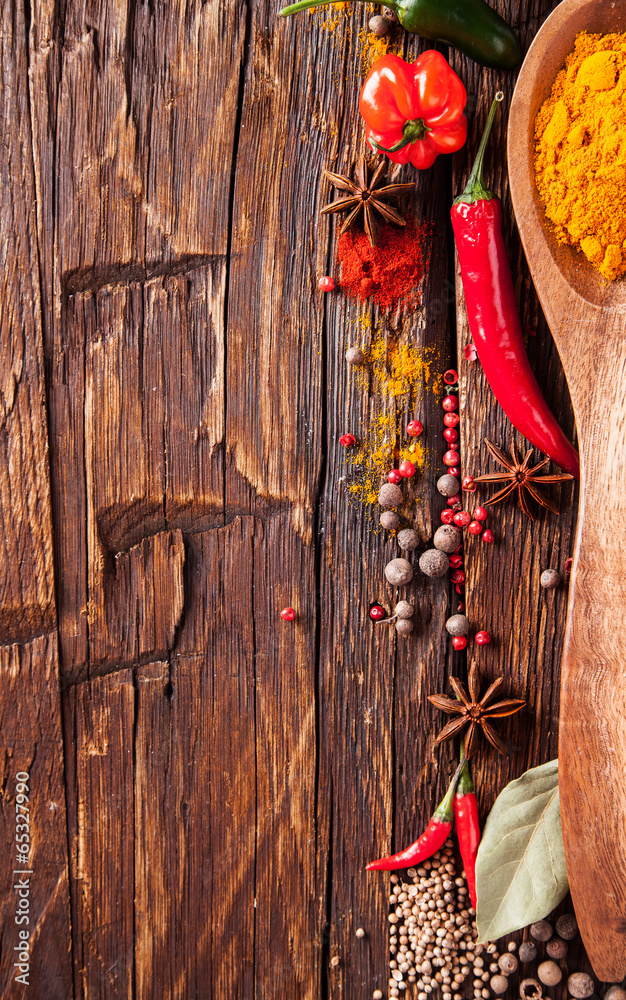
{"points": [[207, 782]]}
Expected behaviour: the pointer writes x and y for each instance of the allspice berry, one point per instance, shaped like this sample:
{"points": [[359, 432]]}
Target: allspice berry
{"points": [[550, 974], [448, 486], [567, 926], [390, 15], [434, 563], [389, 520], [408, 539], [499, 984], [447, 538], [530, 989], [550, 578], [399, 572], [556, 948], [355, 356], [389, 495], [541, 931], [379, 25], [403, 610], [580, 985], [527, 951], [458, 625], [404, 626], [508, 963]]}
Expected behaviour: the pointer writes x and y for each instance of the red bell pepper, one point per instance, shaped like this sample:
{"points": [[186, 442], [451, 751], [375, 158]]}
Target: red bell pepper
{"points": [[414, 111]]}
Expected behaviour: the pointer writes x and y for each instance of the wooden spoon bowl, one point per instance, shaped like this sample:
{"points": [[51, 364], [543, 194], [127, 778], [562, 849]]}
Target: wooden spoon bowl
{"points": [[587, 317]]}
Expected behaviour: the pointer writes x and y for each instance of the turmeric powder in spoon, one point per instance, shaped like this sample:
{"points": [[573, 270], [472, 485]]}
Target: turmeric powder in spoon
{"points": [[580, 159]]}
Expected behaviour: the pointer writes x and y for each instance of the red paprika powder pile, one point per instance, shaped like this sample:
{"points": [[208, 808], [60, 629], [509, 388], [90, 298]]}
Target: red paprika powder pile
{"points": [[390, 273]]}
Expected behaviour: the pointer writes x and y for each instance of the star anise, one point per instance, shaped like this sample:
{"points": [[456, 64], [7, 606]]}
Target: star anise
{"points": [[522, 477], [473, 712], [366, 196]]}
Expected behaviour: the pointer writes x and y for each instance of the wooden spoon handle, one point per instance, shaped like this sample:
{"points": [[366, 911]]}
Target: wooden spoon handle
{"points": [[592, 733]]}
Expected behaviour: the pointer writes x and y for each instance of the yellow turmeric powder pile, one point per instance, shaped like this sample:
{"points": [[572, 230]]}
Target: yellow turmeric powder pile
{"points": [[396, 376], [580, 158]]}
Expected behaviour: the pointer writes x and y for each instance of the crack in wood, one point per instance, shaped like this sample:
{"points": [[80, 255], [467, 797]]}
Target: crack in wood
{"points": [[94, 279]]}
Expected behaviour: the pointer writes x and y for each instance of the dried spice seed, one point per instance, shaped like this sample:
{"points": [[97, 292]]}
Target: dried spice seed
{"points": [[567, 926], [365, 196], [520, 477], [473, 712]]}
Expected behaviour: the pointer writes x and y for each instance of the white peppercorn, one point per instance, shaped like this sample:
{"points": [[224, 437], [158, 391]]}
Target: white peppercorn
{"points": [[580, 985], [567, 926], [360, 933], [458, 625], [541, 931], [399, 572], [550, 578], [389, 495], [447, 538], [408, 539], [499, 984], [389, 520], [527, 951], [512, 946], [549, 973], [434, 563]]}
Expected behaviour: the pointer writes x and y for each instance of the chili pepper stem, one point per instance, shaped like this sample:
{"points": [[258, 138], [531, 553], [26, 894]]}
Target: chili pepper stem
{"points": [[475, 189], [444, 810], [465, 784]]}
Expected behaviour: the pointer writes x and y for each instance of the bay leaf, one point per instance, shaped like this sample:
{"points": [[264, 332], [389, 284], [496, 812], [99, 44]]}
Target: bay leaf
{"points": [[520, 868]]}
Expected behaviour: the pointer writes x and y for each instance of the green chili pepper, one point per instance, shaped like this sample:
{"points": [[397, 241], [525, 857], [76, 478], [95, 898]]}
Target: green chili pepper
{"points": [[469, 25]]}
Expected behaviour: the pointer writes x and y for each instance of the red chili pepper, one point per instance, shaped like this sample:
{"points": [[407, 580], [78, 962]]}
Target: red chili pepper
{"points": [[493, 316], [414, 111], [433, 837], [467, 826]]}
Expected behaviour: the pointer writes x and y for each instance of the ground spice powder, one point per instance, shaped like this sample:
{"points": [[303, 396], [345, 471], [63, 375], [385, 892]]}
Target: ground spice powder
{"points": [[395, 375], [580, 159], [392, 273]]}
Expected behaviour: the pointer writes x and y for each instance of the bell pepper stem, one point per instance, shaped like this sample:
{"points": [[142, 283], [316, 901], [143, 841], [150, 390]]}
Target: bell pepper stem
{"points": [[475, 189], [413, 131], [294, 8]]}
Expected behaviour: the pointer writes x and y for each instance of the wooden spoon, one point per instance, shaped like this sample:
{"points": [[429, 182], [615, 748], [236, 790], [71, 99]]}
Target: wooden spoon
{"points": [[587, 317]]}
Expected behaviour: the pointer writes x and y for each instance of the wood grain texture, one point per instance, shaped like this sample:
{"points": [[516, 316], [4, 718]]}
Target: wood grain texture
{"points": [[99, 718], [585, 314], [228, 774], [26, 566], [34, 890], [31, 743]]}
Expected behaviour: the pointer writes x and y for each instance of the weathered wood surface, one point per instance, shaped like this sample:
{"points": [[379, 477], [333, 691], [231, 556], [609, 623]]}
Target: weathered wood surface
{"points": [[228, 775], [34, 878]]}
